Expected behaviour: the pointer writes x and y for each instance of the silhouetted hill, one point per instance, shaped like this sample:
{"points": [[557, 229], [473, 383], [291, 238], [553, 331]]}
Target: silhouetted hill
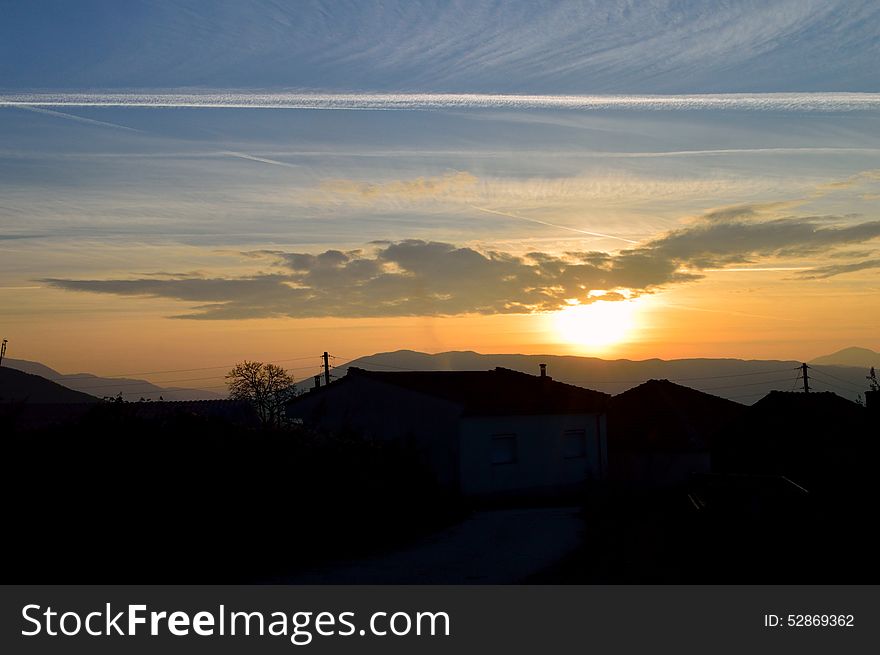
{"points": [[130, 388], [862, 358], [19, 386], [743, 381]]}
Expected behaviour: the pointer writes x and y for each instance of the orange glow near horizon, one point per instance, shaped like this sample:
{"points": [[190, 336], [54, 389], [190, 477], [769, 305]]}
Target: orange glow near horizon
{"points": [[741, 315]]}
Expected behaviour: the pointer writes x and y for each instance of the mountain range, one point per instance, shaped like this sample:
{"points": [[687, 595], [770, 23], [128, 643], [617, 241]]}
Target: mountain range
{"points": [[100, 387], [744, 381], [858, 357]]}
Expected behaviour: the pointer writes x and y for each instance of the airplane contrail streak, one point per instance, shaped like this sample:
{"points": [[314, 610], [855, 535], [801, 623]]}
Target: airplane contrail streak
{"points": [[274, 162], [560, 227], [72, 117]]}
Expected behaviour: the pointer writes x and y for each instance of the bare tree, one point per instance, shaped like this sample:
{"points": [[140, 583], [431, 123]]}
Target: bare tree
{"points": [[266, 386]]}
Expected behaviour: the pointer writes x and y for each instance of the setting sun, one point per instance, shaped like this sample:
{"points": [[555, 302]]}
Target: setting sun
{"points": [[597, 325]]}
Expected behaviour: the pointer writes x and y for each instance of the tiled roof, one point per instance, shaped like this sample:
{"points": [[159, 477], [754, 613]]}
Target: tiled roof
{"points": [[664, 415], [495, 393]]}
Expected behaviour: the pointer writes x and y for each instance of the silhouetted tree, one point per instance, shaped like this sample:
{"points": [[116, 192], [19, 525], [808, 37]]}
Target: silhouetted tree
{"points": [[266, 386], [873, 383]]}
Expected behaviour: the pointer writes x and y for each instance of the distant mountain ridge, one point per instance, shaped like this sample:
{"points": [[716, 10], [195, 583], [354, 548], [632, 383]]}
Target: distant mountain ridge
{"points": [[94, 385], [744, 381], [18, 386], [854, 356]]}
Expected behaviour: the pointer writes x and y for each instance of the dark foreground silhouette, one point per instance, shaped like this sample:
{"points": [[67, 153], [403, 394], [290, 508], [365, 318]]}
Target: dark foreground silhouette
{"points": [[117, 497], [160, 493]]}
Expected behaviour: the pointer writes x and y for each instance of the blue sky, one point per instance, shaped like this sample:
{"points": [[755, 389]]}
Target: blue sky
{"points": [[756, 212], [533, 46]]}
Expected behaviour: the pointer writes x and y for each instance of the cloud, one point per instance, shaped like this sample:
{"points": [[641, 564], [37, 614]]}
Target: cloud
{"points": [[498, 195], [448, 185], [753, 210], [709, 243], [775, 102], [415, 277], [823, 272], [652, 46]]}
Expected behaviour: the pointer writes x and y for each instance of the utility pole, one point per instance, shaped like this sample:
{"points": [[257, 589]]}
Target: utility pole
{"points": [[326, 368], [806, 377], [2, 351]]}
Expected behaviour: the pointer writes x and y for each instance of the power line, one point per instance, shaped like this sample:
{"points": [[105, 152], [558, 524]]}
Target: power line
{"points": [[734, 375], [639, 381], [834, 377], [709, 377], [750, 384], [402, 368], [835, 387]]}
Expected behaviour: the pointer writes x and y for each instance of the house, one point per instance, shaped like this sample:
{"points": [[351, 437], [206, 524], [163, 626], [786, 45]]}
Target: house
{"points": [[660, 433], [816, 438], [482, 433]]}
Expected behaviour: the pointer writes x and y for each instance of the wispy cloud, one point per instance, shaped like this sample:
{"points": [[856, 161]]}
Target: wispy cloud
{"points": [[520, 45], [777, 102], [823, 272], [449, 185]]}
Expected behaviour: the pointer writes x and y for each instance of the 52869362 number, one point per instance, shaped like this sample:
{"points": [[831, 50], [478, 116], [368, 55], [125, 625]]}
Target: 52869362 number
{"points": [[820, 620]]}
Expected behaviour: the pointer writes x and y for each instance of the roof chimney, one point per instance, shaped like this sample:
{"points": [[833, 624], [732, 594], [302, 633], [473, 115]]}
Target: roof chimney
{"points": [[543, 370]]}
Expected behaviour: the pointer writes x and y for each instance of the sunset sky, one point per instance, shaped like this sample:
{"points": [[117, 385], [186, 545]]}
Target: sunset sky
{"points": [[174, 194]]}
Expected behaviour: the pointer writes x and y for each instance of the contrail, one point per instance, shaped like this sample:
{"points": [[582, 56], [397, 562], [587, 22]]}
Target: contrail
{"points": [[78, 119], [275, 162], [759, 269], [727, 311], [786, 102], [560, 227]]}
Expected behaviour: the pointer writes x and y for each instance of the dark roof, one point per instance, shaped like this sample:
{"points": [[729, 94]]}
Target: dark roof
{"points": [[803, 417], [660, 414], [815, 402], [497, 392], [814, 438]]}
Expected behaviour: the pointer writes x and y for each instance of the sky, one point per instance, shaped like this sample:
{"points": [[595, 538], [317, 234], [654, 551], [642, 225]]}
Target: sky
{"points": [[188, 184]]}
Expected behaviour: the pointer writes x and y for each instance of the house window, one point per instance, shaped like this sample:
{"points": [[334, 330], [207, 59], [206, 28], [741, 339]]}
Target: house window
{"points": [[503, 448], [574, 444]]}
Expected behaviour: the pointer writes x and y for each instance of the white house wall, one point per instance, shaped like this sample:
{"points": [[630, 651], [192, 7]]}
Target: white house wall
{"points": [[385, 412], [541, 461]]}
